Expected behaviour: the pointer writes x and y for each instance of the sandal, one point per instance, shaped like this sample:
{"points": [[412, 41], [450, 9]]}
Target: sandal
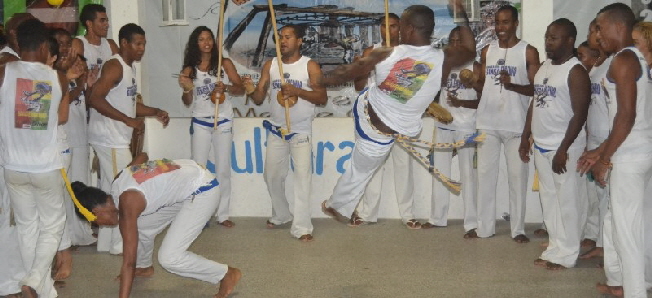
{"points": [[428, 225], [356, 221], [471, 234], [227, 223], [413, 224]]}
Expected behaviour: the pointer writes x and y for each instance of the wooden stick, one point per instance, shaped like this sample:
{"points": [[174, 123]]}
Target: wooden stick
{"points": [[220, 35], [280, 62], [387, 24]]}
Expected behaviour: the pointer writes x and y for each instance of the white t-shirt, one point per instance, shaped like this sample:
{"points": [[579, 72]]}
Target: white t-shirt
{"points": [[552, 109], [29, 102], [202, 104], [638, 143], [77, 125], [463, 118], [500, 109], [162, 182], [406, 83], [10, 51], [302, 113], [597, 121], [105, 131]]}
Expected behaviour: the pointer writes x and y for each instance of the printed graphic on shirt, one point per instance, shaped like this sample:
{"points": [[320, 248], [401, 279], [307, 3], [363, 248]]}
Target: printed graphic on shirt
{"points": [[32, 105], [493, 71], [206, 89], [151, 169], [543, 94], [596, 90], [132, 90], [603, 86], [276, 84], [453, 85], [405, 79]]}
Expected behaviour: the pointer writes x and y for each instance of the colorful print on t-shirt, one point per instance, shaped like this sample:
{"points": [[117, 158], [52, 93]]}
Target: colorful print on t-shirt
{"points": [[151, 169], [32, 105], [405, 79]]}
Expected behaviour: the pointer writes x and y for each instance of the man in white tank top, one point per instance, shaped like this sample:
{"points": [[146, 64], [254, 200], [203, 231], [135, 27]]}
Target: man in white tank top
{"points": [[624, 160], [113, 117], [301, 76], [508, 69], [400, 159], [597, 126], [33, 102], [407, 78], [461, 100], [555, 121]]}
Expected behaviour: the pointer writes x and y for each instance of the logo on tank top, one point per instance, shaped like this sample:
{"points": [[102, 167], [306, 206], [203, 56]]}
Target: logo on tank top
{"points": [[32, 104], [494, 71], [206, 89], [596, 90], [276, 84], [151, 169], [131, 90], [405, 79], [604, 89], [543, 92], [453, 85]]}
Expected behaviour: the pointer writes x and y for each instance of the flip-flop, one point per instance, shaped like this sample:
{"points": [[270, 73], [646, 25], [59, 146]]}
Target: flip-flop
{"points": [[413, 224]]}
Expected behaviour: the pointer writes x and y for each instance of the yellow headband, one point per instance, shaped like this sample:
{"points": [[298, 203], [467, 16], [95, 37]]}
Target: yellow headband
{"points": [[87, 214]]}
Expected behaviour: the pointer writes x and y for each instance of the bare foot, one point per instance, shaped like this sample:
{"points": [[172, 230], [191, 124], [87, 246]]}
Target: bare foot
{"points": [[28, 292], [227, 284], [63, 267], [144, 272], [610, 290], [596, 252], [428, 225], [541, 233], [540, 263], [471, 234], [554, 266], [333, 213], [227, 223], [356, 221], [521, 239], [587, 243], [306, 238], [544, 244]]}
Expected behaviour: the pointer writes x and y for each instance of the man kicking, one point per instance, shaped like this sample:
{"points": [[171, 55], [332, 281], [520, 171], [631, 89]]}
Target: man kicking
{"points": [[146, 198], [407, 78]]}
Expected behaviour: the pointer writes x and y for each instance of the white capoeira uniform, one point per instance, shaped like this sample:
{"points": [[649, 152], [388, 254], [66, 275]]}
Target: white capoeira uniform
{"points": [[29, 101], [406, 83], [563, 197], [297, 145], [403, 174], [110, 140], [597, 127], [625, 221], [462, 127], [501, 116], [180, 194], [204, 135]]}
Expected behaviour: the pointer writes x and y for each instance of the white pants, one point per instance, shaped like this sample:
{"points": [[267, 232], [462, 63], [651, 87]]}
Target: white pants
{"points": [[109, 238], [277, 165], [403, 185], [186, 220], [11, 270], [517, 174], [369, 153], [624, 226], [78, 231], [598, 205], [441, 193], [564, 202], [80, 169], [202, 138], [37, 201]]}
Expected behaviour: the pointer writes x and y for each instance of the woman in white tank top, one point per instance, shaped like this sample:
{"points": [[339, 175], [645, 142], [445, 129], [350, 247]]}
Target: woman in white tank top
{"points": [[198, 81]]}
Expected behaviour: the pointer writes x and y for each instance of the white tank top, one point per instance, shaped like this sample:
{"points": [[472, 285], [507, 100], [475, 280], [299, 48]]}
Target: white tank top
{"points": [[463, 118], [162, 182], [302, 113], [105, 131], [29, 104], [202, 104], [552, 109], [639, 141], [503, 109], [597, 124], [406, 83], [9, 51]]}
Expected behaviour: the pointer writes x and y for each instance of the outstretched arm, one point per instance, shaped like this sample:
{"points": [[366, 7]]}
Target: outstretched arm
{"points": [[363, 66]]}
